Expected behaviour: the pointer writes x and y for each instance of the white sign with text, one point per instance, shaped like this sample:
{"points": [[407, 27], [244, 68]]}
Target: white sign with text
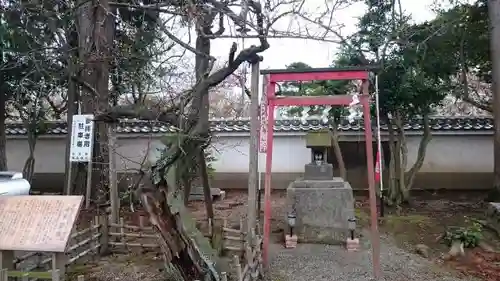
{"points": [[82, 138]]}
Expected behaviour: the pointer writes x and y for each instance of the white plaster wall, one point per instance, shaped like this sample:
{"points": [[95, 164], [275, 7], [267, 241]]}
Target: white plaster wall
{"points": [[454, 154], [49, 155], [289, 154], [444, 153]]}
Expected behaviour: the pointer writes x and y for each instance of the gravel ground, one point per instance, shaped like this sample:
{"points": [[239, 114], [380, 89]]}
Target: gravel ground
{"points": [[317, 262]]}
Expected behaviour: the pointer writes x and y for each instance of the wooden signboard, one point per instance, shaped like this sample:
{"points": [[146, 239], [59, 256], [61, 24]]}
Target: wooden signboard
{"points": [[37, 223], [321, 138]]}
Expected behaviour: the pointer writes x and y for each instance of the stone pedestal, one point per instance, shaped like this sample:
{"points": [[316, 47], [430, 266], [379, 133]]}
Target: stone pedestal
{"points": [[322, 209], [290, 241], [352, 245]]}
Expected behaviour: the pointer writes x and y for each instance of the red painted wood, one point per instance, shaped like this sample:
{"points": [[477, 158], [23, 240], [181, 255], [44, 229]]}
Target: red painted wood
{"points": [[267, 183], [315, 100], [319, 76], [371, 184]]}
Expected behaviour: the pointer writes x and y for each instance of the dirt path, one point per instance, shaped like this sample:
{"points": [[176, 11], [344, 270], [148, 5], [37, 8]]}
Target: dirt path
{"points": [[333, 263]]}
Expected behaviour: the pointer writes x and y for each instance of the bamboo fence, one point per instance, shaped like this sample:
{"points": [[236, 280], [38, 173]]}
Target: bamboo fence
{"points": [[253, 266]]}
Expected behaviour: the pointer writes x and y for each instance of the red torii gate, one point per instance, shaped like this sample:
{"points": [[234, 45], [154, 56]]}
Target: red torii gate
{"points": [[270, 101]]}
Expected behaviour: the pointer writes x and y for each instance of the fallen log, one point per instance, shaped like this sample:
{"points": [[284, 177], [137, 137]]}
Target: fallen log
{"points": [[181, 243]]}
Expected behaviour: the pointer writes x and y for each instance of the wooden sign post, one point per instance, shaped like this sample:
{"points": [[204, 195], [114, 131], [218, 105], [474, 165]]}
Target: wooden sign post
{"points": [[37, 224], [82, 143]]}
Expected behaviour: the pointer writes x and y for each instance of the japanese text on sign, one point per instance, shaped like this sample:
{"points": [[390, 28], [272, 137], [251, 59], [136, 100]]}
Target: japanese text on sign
{"points": [[82, 133], [37, 223], [263, 118]]}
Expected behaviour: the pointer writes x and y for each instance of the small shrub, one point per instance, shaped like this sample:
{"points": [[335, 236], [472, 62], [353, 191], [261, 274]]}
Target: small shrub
{"points": [[469, 235]]}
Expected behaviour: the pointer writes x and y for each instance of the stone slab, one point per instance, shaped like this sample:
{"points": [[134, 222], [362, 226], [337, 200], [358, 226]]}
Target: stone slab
{"points": [[332, 183], [318, 172], [493, 208], [493, 213], [37, 223], [197, 193], [322, 213]]}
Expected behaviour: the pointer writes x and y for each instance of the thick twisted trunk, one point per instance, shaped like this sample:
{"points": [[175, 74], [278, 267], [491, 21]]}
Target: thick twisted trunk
{"points": [[202, 68], [95, 27]]}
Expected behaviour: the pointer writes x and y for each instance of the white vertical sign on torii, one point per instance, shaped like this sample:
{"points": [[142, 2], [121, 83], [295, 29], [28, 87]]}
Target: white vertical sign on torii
{"points": [[263, 117], [82, 138]]}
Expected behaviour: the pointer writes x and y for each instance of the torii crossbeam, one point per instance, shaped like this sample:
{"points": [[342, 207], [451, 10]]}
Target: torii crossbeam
{"points": [[270, 101]]}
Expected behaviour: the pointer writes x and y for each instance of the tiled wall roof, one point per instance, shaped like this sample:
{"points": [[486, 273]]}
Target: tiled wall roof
{"points": [[441, 124]]}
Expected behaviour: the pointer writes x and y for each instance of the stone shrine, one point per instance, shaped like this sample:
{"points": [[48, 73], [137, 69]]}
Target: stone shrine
{"points": [[321, 203]]}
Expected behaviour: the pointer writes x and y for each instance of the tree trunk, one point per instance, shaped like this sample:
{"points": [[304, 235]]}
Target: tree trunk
{"points": [[186, 183], [401, 181], [29, 164], [70, 171], [96, 29], [422, 149], [206, 186], [393, 191], [338, 152], [402, 159], [202, 67], [494, 17], [3, 133]]}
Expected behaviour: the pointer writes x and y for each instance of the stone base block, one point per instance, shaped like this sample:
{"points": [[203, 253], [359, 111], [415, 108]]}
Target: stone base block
{"points": [[321, 213], [493, 214], [332, 183], [318, 172], [352, 245], [290, 241], [493, 209]]}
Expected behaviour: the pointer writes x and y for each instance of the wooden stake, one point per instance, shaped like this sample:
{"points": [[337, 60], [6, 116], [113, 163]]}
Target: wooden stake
{"points": [[237, 265], [59, 266], [89, 184], [4, 274], [122, 232], [242, 235], [69, 176], [223, 276], [253, 169], [7, 260], [104, 229], [113, 181]]}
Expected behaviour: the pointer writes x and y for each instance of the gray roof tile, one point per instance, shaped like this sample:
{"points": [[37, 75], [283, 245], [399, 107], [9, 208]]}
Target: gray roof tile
{"points": [[441, 124]]}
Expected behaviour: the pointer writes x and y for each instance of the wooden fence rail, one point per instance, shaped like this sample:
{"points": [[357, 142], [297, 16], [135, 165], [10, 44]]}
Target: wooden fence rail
{"points": [[233, 239], [25, 276], [131, 235]]}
